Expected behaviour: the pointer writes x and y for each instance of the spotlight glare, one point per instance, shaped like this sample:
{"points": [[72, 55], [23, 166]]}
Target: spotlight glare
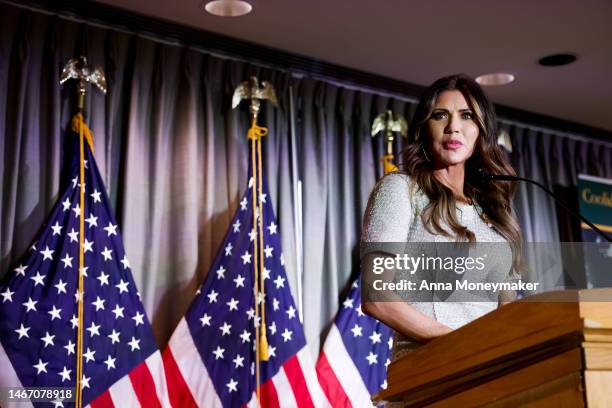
{"points": [[495, 79], [228, 8]]}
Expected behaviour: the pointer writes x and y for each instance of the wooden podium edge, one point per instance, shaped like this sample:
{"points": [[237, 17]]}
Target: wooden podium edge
{"points": [[461, 380]]}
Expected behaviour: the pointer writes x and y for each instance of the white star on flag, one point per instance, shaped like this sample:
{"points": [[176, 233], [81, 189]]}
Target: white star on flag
{"points": [[94, 329], [96, 196], [218, 353], [74, 235], [287, 335], [89, 355], [205, 320], [30, 304], [7, 295], [138, 318], [55, 313], [134, 344], [272, 228], [372, 358], [61, 286], [107, 254], [67, 260], [47, 253], [65, 373], [23, 331], [40, 367], [118, 311], [114, 336], [375, 337], [20, 270], [38, 279], [232, 385], [92, 221], [110, 362], [125, 262], [103, 278], [57, 229], [110, 230]]}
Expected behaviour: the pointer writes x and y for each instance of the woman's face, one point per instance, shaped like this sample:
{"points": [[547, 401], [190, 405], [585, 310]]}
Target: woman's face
{"points": [[453, 130]]}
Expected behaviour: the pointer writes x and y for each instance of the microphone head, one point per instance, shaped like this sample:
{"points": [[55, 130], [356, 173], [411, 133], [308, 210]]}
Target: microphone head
{"points": [[484, 177]]}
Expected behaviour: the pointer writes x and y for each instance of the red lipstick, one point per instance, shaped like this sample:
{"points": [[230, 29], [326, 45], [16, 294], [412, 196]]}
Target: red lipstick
{"points": [[452, 144]]}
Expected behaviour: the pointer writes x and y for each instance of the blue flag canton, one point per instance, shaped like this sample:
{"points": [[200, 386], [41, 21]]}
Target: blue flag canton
{"points": [[38, 308], [222, 317], [368, 341]]}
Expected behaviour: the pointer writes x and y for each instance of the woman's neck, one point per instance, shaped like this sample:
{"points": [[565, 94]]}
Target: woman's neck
{"points": [[452, 177]]}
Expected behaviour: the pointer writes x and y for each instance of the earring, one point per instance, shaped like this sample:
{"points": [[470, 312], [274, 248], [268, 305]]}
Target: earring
{"points": [[425, 153]]}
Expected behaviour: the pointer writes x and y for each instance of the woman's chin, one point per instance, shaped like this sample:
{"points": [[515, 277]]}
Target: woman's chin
{"points": [[452, 160]]}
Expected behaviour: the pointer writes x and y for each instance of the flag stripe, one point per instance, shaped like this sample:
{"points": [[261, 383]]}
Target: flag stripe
{"points": [[340, 361], [286, 398], [294, 373], [143, 384], [155, 366], [103, 400], [330, 384], [177, 388], [310, 374], [269, 396], [8, 378], [123, 394], [192, 368]]}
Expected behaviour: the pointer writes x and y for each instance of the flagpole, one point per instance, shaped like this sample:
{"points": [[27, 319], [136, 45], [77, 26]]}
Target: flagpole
{"points": [[255, 263], [77, 68], [297, 208], [79, 367]]}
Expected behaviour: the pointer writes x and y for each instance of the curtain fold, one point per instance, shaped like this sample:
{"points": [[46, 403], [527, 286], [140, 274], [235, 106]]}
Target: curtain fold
{"points": [[174, 157]]}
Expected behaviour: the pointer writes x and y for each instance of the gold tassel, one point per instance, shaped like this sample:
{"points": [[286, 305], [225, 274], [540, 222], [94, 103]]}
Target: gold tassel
{"points": [[79, 125], [263, 346], [388, 165]]}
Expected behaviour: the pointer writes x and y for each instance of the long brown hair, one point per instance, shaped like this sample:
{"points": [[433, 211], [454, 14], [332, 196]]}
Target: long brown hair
{"points": [[494, 198]]}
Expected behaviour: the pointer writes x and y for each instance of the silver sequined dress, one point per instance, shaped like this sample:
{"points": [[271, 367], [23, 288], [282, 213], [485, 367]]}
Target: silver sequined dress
{"points": [[393, 214]]}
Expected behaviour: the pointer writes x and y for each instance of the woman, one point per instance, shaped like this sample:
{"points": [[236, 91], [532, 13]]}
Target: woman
{"points": [[441, 199]]}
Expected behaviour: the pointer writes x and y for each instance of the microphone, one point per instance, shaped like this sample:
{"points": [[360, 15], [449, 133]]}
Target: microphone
{"points": [[488, 177]]}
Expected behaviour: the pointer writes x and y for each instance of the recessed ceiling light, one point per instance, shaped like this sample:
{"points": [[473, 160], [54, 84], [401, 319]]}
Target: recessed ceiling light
{"points": [[228, 8], [495, 79], [556, 60]]}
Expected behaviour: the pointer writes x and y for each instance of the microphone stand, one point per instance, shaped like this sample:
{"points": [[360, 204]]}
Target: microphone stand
{"points": [[488, 177]]}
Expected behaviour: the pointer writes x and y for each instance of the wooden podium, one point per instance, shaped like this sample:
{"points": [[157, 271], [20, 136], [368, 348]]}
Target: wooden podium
{"points": [[535, 353]]}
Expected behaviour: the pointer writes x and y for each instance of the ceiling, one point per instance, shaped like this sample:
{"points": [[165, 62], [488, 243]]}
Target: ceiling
{"points": [[417, 42]]}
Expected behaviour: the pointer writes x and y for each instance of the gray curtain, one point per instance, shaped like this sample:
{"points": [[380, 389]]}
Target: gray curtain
{"points": [[172, 152], [554, 159], [173, 155], [340, 165]]}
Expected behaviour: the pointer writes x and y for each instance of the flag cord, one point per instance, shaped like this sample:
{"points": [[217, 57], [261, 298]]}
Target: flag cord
{"points": [[78, 124], [254, 134], [79, 354], [263, 337]]}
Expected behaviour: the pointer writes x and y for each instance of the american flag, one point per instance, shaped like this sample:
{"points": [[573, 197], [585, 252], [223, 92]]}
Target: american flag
{"points": [[210, 359], [122, 365], [353, 363]]}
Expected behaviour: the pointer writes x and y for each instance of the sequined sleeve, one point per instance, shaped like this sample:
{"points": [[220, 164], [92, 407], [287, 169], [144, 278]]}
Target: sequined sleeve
{"points": [[388, 215]]}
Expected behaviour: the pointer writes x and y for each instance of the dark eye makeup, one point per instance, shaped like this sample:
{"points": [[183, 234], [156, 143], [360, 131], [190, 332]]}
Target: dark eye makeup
{"points": [[439, 115]]}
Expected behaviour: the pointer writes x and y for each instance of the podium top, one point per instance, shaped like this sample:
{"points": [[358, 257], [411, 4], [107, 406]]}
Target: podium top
{"points": [[526, 329]]}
